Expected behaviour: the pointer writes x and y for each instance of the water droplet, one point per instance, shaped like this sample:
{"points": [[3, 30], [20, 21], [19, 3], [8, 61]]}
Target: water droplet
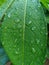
{"points": [[29, 22], [46, 56], [20, 35], [5, 27], [15, 40], [9, 15], [19, 25], [36, 10], [30, 13], [41, 32], [46, 33], [43, 27], [33, 0], [18, 20], [41, 44], [38, 41], [9, 48], [48, 5], [17, 52], [33, 28], [31, 41], [3, 43], [39, 5], [14, 33], [33, 49], [14, 46]]}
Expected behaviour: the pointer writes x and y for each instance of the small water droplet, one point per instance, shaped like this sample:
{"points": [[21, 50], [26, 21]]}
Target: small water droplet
{"points": [[5, 27], [14, 33], [33, 28], [19, 25], [30, 13], [20, 35], [38, 41], [9, 15], [17, 52], [31, 41], [46, 33], [44, 61], [36, 10], [33, 49], [15, 40], [39, 5], [14, 46], [46, 56], [18, 20], [41, 44], [43, 27], [29, 22], [33, 0], [3, 43]]}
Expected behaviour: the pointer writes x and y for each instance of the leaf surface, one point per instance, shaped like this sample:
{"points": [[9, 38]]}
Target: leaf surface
{"points": [[24, 33], [4, 5]]}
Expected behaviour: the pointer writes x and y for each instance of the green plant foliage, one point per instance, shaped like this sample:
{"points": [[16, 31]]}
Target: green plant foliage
{"points": [[45, 3], [24, 33], [2, 1], [4, 5]]}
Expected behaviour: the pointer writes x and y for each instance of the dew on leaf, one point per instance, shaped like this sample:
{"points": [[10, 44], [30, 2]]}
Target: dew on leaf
{"points": [[33, 28], [48, 5], [38, 41], [19, 25], [41, 44], [29, 22], [18, 20], [39, 5], [5, 27], [15, 40], [17, 52], [9, 15], [46, 33], [33, 49], [3, 43], [43, 27], [33, 0]]}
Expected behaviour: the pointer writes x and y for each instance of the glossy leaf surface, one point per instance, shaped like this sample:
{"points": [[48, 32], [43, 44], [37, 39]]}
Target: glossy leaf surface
{"points": [[24, 33]]}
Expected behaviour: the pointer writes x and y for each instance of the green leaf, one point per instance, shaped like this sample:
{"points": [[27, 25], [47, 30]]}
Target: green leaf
{"points": [[24, 33], [45, 3], [4, 5]]}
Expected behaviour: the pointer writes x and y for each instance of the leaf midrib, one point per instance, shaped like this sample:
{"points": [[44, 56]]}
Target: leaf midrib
{"points": [[24, 28]]}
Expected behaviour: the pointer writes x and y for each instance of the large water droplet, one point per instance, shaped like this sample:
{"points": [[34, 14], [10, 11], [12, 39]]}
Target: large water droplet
{"points": [[48, 5], [39, 5], [29, 22], [9, 15], [17, 52], [33, 28], [33, 49]]}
